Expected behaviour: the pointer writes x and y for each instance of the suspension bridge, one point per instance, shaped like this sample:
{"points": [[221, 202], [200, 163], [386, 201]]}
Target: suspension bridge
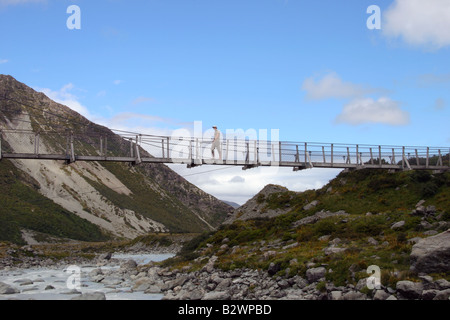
{"points": [[120, 146]]}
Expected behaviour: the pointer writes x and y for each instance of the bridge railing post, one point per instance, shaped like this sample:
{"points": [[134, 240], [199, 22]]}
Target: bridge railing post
{"points": [[379, 156], [306, 154], [279, 150], [332, 155], [168, 153], [323, 154]]}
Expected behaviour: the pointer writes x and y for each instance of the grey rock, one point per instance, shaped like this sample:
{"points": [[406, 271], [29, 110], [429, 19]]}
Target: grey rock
{"points": [[283, 284], [381, 295], [176, 282], [429, 294], [224, 284], [442, 284], [24, 282], [311, 205], [333, 250], [442, 295], [432, 254], [398, 225], [354, 295], [196, 294], [95, 272], [336, 295], [7, 289], [314, 274], [273, 268], [105, 256], [420, 203], [73, 291], [409, 289], [143, 284], [153, 289], [217, 295], [430, 209], [91, 296], [130, 264], [318, 216]]}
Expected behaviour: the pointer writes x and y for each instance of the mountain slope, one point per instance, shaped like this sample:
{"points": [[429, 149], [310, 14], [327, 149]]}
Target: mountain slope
{"points": [[120, 200], [355, 192], [359, 219]]}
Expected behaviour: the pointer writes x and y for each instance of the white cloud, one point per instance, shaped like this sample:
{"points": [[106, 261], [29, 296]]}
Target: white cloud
{"points": [[367, 110], [225, 184], [65, 97], [419, 22], [331, 86], [3, 61], [117, 82]]}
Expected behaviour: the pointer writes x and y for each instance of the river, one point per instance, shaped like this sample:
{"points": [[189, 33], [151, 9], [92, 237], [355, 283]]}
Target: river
{"points": [[62, 284]]}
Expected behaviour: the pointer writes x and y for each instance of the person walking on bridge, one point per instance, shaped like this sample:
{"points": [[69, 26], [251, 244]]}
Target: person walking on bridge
{"points": [[216, 143]]}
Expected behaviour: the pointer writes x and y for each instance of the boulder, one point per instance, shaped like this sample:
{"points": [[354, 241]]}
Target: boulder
{"points": [[130, 264], [311, 205], [409, 289], [314, 274], [273, 268], [216, 295], [442, 295], [7, 289], [380, 295], [354, 295], [143, 284], [398, 225], [432, 254], [336, 295]]}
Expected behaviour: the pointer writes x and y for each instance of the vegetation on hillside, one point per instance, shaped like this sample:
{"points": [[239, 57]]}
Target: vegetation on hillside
{"points": [[23, 207], [158, 192], [374, 201]]}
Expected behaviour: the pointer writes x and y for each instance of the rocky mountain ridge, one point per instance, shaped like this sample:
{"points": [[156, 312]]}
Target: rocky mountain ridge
{"points": [[119, 199]]}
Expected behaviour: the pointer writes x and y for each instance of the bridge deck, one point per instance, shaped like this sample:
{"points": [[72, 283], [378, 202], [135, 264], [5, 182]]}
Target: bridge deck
{"points": [[235, 152]]}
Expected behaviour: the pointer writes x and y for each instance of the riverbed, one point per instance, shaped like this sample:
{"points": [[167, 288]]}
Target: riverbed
{"points": [[71, 281]]}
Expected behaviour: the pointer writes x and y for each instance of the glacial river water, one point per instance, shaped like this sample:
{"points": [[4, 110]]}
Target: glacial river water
{"points": [[57, 284]]}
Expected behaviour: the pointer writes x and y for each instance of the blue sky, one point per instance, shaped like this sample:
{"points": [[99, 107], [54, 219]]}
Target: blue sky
{"points": [[311, 69]]}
